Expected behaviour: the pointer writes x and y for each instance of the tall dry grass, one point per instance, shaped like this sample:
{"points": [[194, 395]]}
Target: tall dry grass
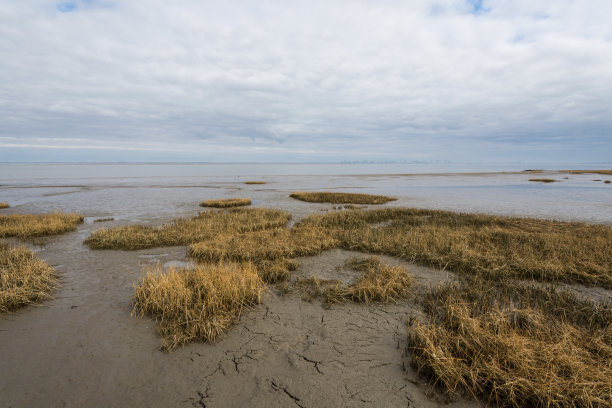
{"points": [[28, 225], [226, 203], [24, 278], [377, 282], [268, 249], [515, 345], [587, 171], [4, 205], [185, 231], [492, 246], [196, 304], [340, 198], [543, 180]]}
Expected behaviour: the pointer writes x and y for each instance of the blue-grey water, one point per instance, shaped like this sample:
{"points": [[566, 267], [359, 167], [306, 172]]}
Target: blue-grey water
{"points": [[154, 192]]}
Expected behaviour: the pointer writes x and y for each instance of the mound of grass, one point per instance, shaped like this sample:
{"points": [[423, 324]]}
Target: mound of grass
{"points": [[185, 231], [255, 182], [226, 203], [4, 205], [196, 304], [378, 282], [544, 180], [24, 278], [105, 219], [29, 226], [268, 249], [491, 246], [587, 171], [514, 345], [341, 198], [607, 181]]}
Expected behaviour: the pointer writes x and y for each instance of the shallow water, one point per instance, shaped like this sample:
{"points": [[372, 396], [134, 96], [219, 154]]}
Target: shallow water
{"points": [[149, 193]]}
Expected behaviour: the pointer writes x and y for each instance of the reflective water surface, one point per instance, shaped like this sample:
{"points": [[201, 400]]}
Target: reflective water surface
{"points": [[154, 192]]}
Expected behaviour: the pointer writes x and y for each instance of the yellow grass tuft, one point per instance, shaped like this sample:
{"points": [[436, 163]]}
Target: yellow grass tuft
{"points": [[184, 231], [4, 205], [255, 182], [24, 278], [377, 282], [515, 346], [28, 226], [492, 246], [267, 249], [544, 180], [341, 198], [196, 304], [587, 171], [226, 203]]}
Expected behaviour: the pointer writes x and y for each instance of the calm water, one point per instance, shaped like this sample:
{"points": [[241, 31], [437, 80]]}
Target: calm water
{"points": [[153, 192]]}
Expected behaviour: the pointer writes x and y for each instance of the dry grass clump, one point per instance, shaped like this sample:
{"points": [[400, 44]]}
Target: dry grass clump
{"points": [[378, 282], [544, 180], [491, 246], [184, 231], [196, 304], [24, 278], [4, 205], [255, 182], [515, 346], [226, 203], [341, 198], [587, 171], [607, 181], [28, 225], [105, 219], [268, 249]]}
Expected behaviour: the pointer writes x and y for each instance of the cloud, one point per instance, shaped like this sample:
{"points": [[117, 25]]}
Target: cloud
{"points": [[319, 80]]}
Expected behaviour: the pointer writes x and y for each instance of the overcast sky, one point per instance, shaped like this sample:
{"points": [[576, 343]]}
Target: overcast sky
{"points": [[332, 80]]}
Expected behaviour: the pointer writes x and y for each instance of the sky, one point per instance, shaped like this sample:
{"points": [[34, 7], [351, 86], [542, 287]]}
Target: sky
{"points": [[306, 81]]}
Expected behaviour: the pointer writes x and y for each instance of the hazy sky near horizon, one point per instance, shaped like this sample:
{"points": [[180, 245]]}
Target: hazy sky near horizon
{"points": [[458, 80]]}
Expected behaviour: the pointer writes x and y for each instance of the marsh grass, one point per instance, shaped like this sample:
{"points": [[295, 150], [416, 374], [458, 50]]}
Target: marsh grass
{"points": [[184, 231], [270, 250], [24, 278], [200, 303], [609, 172], [4, 205], [105, 219], [607, 181], [340, 198], [255, 182], [377, 282], [515, 345], [544, 180], [29, 226], [226, 203], [492, 246]]}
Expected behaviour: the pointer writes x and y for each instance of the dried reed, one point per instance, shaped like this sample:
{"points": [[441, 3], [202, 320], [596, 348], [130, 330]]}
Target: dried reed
{"points": [[226, 203], [24, 278], [340, 198], [199, 303], [28, 225]]}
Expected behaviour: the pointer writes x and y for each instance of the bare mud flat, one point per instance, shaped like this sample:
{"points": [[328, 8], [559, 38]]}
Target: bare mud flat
{"points": [[83, 348]]}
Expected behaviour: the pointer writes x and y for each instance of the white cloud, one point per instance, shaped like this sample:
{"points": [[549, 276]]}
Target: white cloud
{"points": [[309, 80]]}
